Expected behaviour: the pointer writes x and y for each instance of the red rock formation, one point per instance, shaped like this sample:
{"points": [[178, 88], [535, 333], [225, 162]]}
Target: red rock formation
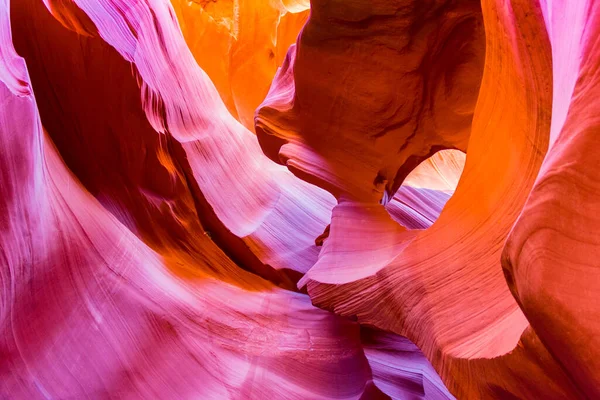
{"points": [[399, 368], [552, 255], [442, 287], [159, 319], [240, 44], [357, 128], [155, 191], [89, 310], [150, 247]]}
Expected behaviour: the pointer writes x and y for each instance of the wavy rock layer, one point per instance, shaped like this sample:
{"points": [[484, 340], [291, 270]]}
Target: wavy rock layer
{"points": [[240, 45], [551, 256], [150, 260], [89, 310], [443, 287], [359, 128], [152, 246]]}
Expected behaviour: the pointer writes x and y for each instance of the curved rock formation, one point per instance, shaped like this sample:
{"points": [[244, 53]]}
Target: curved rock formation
{"points": [[442, 287], [89, 310], [359, 127], [240, 45], [423, 172], [551, 256]]}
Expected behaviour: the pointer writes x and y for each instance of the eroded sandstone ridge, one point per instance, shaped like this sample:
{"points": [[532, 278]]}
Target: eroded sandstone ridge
{"points": [[277, 199]]}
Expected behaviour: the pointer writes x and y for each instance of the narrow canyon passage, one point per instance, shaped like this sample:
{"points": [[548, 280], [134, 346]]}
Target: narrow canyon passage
{"points": [[294, 199]]}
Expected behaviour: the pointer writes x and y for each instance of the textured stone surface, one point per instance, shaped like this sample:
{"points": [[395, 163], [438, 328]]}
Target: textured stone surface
{"points": [[422, 172], [371, 90]]}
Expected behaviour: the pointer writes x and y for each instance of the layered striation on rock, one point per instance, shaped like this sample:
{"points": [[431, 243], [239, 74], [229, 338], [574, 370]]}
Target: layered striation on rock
{"points": [[423, 172], [399, 368], [89, 310], [426, 190], [359, 128], [149, 251], [178, 191], [240, 45], [442, 287], [551, 257]]}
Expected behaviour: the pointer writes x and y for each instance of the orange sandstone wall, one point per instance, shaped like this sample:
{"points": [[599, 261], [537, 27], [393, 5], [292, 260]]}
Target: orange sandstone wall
{"points": [[275, 199]]}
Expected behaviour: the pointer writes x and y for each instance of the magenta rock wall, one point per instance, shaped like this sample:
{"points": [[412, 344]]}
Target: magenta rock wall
{"points": [[284, 199]]}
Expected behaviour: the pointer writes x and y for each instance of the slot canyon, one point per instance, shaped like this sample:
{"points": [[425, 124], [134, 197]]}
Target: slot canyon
{"points": [[299, 199]]}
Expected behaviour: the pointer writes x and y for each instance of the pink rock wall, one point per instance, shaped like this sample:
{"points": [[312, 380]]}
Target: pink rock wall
{"points": [[153, 246]]}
